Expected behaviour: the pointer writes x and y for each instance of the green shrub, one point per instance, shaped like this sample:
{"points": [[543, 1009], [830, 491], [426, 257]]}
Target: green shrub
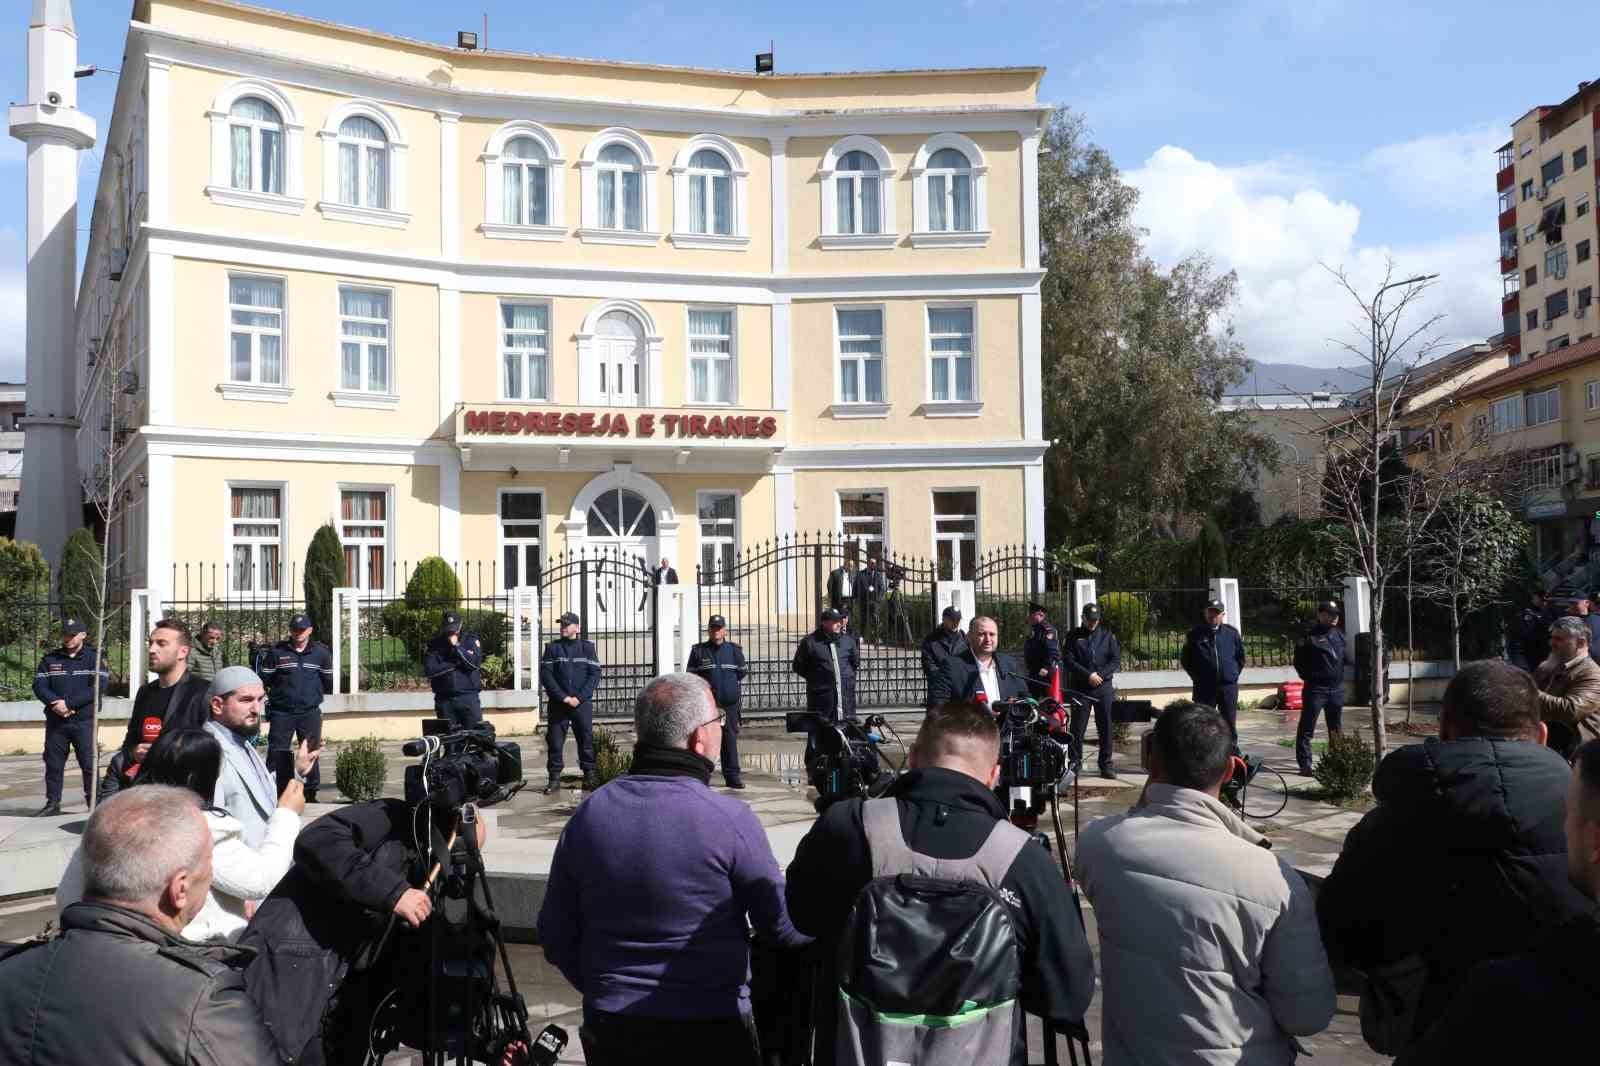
{"points": [[1345, 769], [609, 759], [496, 672], [361, 769], [415, 626], [1206, 556], [80, 576], [433, 586], [24, 594], [492, 629], [1125, 615], [324, 572]]}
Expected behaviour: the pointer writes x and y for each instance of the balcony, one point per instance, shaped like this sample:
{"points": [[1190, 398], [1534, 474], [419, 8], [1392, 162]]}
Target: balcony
{"points": [[1508, 260], [1510, 304], [1506, 178], [1508, 218]]}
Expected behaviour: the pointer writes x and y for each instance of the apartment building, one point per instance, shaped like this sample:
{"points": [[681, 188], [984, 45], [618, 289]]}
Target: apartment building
{"points": [[496, 306]]}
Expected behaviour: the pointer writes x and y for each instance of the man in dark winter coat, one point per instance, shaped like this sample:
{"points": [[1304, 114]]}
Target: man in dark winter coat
{"points": [[1092, 658], [454, 665], [946, 640], [1529, 639], [298, 672], [828, 660], [1319, 660], [1213, 657], [65, 683], [1472, 823], [1041, 652], [569, 673], [1556, 982], [719, 662]]}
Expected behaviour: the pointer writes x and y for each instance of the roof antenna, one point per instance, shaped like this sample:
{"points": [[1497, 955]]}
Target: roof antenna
{"points": [[485, 31]]}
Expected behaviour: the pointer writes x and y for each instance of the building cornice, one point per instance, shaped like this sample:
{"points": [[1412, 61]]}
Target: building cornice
{"points": [[879, 456]]}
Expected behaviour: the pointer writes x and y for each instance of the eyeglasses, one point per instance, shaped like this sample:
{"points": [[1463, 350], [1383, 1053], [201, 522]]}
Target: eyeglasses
{"points": [[718, 720]]}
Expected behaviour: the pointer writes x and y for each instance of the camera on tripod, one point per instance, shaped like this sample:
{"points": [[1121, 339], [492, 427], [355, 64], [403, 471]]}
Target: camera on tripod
{"points": [[462, 766], [843, 761], [1033, 763]]}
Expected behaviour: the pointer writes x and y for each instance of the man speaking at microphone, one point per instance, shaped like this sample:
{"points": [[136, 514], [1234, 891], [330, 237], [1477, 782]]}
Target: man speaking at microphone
{"points": [[979, 673]]}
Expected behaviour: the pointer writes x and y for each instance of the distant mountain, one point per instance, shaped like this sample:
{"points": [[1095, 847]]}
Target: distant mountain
{"points": [[1294, 377]]}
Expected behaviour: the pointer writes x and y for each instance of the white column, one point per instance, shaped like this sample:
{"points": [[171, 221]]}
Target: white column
{"points": [[780, 205], [1083, 592], [782, 373], [157, 143], [449, 353], [449, 184], [161, 500], [1030, 199], [1357, 608], [1033, 505], [160, 281], [1030, 309], [450, 507]]}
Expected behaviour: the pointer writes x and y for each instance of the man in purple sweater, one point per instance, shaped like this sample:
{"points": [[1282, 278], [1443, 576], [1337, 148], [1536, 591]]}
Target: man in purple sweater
{"points": [[650, 890]]}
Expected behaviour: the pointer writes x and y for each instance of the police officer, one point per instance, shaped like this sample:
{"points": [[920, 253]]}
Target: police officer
{"points": [[1092, 658], [298, 672], [1041, 653], [828, 659], [569, 672], [65, 683], [1530, 637], [454, 665], [1213, 655], [1319, 660], [720, 662], [946, 641]]}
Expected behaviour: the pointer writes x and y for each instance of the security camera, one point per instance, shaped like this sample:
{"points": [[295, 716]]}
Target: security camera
{"points": [[53, 99]]}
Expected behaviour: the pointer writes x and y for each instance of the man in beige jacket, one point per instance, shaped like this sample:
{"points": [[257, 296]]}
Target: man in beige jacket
{"points": [[1569, 687]]}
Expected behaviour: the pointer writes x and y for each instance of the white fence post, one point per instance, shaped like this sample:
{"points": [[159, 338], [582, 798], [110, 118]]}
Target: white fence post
{"points": [[1226, 589], [1357, 608], [689, 624], [962, 595], [343, 599], [524, 605], [1083, 592], [144, 608]]}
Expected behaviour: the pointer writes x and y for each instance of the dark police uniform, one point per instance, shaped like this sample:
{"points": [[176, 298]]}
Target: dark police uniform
{"points": [[1319, 660], [1040, 654], [937, 647], [1092, 652], [1213, 658], [814, 660], [456, 673], [569, 668], [71, 679], [1530, 638], [722, 667], [296, 682], [869, 590]]}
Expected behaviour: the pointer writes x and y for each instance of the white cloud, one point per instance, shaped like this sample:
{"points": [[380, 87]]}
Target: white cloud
{"points": [[1447, 168], [1274, 225]]}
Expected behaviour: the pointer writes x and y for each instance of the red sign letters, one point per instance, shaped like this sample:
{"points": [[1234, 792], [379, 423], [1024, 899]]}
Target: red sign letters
{"points": [[615, 424]]}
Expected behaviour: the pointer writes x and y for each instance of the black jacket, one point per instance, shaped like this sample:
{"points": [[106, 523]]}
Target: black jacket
{"points": [[961, 680], [570, 668], [837, 596], [350, 869], [722, 667], [814, 662], [659, 577], [938, 646], [1042, 649], [946, 814], [1530, 636], [296, 680], [1319, 657], [1091, 652], [1555, 986], [114, 988], [454, 669], [70, 678], [1474, 827], [1212, 658], [188, 709]]}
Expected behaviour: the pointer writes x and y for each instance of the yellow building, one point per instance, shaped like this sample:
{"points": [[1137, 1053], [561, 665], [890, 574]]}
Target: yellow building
{"points": [[497, 307]]}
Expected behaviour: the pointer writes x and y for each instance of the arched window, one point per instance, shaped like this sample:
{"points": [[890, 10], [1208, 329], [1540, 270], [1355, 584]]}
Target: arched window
{"points": [[363, 163], [621, 513], [619, 188], [255, 137], [859, 196], [949, 176], [949, 193], [618, 175], [525, 183], [710, 193], [858, 193]]}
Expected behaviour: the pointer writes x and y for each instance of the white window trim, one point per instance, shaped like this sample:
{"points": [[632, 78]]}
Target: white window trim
{"points": [[932, 408], [230, 593], [924, 237], [933, 523], [494, 224], [681, 236], [589, 229], [1591, 395], [1519, 406], [292, 200], [388, 531], [864, 408], [588, 387], [397, 214], [362, 398], [255, 391], [838, 513], [500, 540], [500, 349], [738, 517], [831, 238], [1526, 424], [733, 356]]}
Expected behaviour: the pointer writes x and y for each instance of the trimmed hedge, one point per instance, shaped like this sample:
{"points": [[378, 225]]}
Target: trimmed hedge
{"points": [[361, 769], [415, 626]]}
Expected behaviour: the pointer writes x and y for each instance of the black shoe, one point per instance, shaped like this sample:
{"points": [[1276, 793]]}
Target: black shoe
{"points": [[553, 786], [1108, 773], [50, 809], [1305, 771], [735, 783]]}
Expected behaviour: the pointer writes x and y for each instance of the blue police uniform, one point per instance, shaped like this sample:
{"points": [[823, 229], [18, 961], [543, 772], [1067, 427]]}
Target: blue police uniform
{"points": [[1041, 653], [71, 679], [455, 671], [1319, 660], [1092, 651], [569, 668], [296, 681], [1213, 657], [722, 667]]}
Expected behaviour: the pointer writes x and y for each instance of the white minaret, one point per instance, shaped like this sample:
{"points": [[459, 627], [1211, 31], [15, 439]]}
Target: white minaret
{"points": [[55, 131]]}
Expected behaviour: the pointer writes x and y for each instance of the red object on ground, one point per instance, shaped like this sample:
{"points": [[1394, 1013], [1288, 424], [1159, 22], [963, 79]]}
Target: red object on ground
{"points": [[1290, 694]]}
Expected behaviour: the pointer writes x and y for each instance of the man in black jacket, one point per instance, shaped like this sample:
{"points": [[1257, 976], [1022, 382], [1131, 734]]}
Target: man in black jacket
{"points": [[842, 585], [870, 588], [454, 665], [947, 810], [663, 574], [1528, 642], [569, 673], [980, 672], [1092, 659], [298, 672], [719, 662], [1319, 660], [828, 660], [176, 699], [65, 683], [1213, 657], [119, 984], [946, 640], [1472, 822]]}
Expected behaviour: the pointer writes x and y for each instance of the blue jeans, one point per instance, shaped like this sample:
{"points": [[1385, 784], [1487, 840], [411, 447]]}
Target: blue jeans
{"points": [[1317, 700]]}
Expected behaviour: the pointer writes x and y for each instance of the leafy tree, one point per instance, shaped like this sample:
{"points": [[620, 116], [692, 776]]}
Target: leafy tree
{"points": [[24, 593], [1135, 362], [1469, 553], [80, 572], [1206, 556], [325, 571]]}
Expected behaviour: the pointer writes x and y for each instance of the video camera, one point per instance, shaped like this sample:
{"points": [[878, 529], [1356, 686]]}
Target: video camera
{"points": [[462, 766], [843, 760], [1033, 763]]}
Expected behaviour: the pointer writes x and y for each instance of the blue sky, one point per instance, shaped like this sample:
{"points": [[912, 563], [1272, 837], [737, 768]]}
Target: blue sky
{"points": [[1275, 135]]}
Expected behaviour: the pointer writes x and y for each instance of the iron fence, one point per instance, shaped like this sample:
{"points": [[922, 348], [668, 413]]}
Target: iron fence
{"points": [[251, 613], [31, 614]]}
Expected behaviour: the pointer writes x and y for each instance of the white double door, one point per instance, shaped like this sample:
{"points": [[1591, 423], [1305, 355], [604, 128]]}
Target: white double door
{"points": [[619, 591], [619, 348]]}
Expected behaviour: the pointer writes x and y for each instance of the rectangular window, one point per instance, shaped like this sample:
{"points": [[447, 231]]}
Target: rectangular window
{"points": [[861, 524], [1527, 234], [1586, 296], [1592, 479], [521, 529], [955, 535], [860, 355], [1580, 206], [719, 536], [1555, 305], [1527, 191], [1542, 469], [1508, 200], [364, 532], [1583, 251], [1533, 320], [1591, 395], [255, 330], [255, 539], [1525, 148], [1543, 406], [524, 351], [364, 340], [950, 355], [1580, 158], [1555, 263], [1531, 277], [1506, 414], [710, 355], [1551, 172], [1560, 342]]}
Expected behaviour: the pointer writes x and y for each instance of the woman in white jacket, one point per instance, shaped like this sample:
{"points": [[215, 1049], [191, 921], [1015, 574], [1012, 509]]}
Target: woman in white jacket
{"points": [[241, 875]]}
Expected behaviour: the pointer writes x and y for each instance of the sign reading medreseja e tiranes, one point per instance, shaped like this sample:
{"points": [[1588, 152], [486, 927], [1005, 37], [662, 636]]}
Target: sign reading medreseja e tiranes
{"points": [[618, 424]]}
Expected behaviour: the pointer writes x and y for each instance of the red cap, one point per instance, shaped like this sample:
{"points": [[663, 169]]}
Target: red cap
{"points": [[151, 729]]}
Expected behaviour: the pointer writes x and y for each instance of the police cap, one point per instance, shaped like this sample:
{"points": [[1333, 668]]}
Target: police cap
{"points": [[1330, 606], [451, 622], [1091, 610], [300, 622], [1035, 605], [716, 621], [570, 619]]}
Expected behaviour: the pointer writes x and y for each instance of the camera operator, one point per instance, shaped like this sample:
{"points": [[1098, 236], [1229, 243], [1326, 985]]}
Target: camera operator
{"points": [[947, 640], [979, 672], [454, 665], [947, 811], [828, 659]]}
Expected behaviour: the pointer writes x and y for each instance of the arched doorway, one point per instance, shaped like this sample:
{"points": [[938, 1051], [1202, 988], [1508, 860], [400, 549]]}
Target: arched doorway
{"points": [[620, 355], [621, 532]]}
